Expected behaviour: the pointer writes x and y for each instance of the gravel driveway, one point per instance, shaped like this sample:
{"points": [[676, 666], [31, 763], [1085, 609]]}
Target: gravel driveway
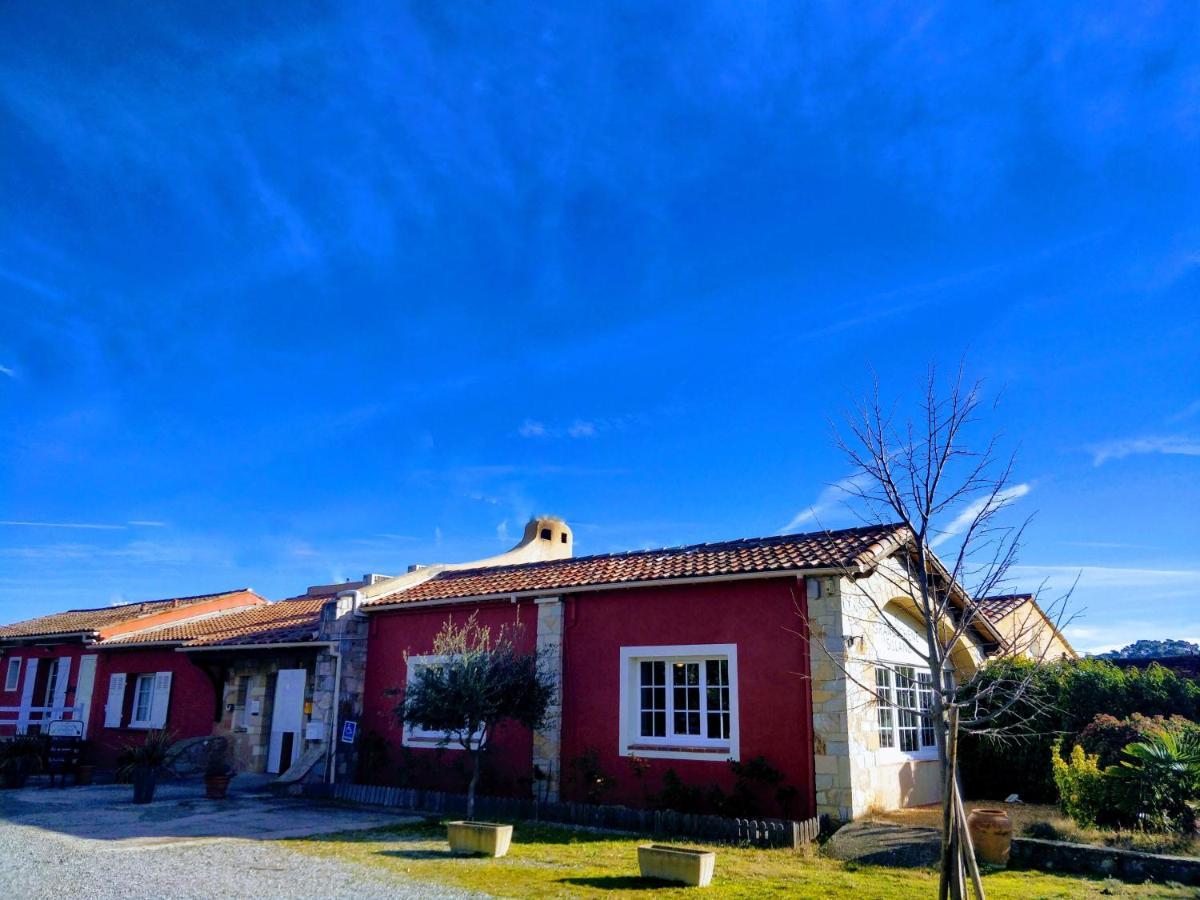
{"points": [[94, 843]]}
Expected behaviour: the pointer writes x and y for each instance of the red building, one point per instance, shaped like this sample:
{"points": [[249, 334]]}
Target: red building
{"points": [[52, 669], [679, 660]]}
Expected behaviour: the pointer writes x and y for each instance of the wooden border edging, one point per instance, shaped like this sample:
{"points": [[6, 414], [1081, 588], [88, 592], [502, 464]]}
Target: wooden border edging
{"points": [[1128, 865], [758, 832]]}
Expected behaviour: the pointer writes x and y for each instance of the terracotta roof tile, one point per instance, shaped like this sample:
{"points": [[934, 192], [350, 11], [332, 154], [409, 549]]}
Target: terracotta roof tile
{"points": [[291, 621], [816, 550], [1002, 604], [94, 620]]}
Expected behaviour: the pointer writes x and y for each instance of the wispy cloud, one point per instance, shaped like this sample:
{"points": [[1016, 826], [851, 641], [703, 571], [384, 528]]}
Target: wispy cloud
{"points": [[580, 428], [832, 496], [94, 526], [10, 372], [1123, 447], [963, 520], [1192, 409], [91, 525]]}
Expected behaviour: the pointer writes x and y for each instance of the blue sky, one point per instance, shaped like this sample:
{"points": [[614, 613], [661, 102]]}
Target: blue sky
{"points": [[291, 292]]}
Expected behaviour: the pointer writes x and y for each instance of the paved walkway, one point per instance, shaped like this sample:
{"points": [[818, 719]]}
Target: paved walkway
{"points": [[94, 842], [883, 844]]}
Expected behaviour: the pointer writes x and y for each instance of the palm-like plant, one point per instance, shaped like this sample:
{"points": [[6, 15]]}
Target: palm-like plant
{"points": [[1160, 778]]}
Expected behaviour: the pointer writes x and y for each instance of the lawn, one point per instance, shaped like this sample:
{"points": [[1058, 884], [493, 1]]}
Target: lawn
{"points": [[1044, 821], [553, 861]]}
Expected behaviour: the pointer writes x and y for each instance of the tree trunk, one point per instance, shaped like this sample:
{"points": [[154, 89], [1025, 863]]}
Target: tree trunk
{"points": [[476, 759]]}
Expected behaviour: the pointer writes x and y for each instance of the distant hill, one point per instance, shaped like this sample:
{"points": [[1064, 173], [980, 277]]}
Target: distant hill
{"points": [[1146, 649]]}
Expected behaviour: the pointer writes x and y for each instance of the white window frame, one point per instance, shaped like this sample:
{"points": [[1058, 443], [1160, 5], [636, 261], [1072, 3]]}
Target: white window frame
{"points": [[52, 678], [144, 678], [12, 676], [924, 751], [698, 747], [420, 737]]}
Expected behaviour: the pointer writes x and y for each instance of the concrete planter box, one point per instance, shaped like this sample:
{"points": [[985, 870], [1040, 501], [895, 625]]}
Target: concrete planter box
{"points": [[692, 867], [486, 838]]}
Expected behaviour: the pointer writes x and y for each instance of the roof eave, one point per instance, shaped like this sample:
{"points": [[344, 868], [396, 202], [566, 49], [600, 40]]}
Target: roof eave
{"points": [[266, 645], [609, 586]]}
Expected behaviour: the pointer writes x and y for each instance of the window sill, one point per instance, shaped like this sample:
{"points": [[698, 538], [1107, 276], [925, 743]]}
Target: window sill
{"points": [[891, 755], [436, 743], [680, 748]]}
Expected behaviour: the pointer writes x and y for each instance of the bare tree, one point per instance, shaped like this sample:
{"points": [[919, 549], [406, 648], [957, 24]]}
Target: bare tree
{"points": [[945, 487]]}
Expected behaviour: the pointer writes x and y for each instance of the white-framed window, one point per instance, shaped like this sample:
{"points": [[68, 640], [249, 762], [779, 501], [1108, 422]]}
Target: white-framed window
{"points": [[679, 702], [415, 736], [904, 705], [12, 675], [143, 702]]}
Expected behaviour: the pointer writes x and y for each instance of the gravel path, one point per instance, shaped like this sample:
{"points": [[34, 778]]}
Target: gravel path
{"points": [[42, 855]]}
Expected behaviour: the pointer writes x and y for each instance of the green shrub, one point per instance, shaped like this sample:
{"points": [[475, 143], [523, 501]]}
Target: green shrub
{"points": [[1158, 782], [1106, 736], [1062, 699], [1083, 791]]}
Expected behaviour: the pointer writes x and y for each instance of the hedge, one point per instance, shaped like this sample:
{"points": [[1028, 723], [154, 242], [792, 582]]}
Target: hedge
{"points": [[1063, 699]]}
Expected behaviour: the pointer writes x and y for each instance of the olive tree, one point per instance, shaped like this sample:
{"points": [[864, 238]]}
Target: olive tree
{"points": [[476, 682]]}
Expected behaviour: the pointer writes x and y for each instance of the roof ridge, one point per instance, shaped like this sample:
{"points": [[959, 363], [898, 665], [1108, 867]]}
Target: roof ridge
{"points": [[796, 537], [116, 606], [854, 548]]}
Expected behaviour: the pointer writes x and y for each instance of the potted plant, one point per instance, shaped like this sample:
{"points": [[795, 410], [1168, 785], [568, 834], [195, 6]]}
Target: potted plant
{"points": [[476, 683], [144, 761], [218, 773], [19, 758]]}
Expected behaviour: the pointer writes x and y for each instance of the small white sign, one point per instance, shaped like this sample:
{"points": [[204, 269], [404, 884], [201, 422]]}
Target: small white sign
{"points": [[314, 731]]}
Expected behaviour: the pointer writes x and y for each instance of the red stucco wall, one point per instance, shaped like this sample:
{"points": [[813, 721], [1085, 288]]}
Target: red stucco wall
{"points": [[759, 616], [391, 635], [190, 713], [762, 617], [44, 655]]}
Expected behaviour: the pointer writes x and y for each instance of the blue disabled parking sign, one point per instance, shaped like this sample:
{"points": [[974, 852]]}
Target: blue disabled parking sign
{"points": [[349, 729]]}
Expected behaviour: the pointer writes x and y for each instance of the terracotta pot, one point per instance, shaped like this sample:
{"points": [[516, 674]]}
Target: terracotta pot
{"points": [[991, 833], [216, 786]]}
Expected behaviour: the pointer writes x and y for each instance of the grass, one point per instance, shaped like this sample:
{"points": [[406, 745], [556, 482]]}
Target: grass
{"points": [[554, 861], [1044, 821]]}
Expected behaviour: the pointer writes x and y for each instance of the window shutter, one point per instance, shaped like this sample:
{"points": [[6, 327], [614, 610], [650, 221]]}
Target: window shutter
{"points": [[60, 687], [162, 699], [116, 701]]}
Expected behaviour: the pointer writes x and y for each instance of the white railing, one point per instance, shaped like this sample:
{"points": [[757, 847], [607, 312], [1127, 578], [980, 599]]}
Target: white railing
{"points": [[19, 719]]}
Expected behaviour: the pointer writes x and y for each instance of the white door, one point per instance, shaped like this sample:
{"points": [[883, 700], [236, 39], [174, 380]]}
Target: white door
{"points": [[287, 720], [85, 683]]}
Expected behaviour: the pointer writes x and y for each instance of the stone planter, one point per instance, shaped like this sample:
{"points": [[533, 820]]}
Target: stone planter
{"points": [[486, 838], [991, 833], [691, 867], [216, 786]]}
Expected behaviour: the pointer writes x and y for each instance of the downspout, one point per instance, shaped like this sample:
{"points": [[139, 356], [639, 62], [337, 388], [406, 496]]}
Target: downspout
{"points": [[331, 764]]}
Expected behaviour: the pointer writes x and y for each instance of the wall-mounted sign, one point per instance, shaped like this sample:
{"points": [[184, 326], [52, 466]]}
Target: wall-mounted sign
{"points": [[349, 730]]}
